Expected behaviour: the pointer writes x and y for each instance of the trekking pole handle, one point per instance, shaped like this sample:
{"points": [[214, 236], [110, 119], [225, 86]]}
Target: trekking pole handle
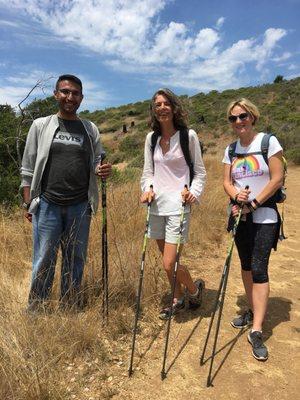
{"points": [[246, 188], [102, 157], [150, 198], [241, 206], [186, 189]]}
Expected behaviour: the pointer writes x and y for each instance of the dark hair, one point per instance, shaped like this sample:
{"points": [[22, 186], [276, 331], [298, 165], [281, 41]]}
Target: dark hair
{"points": [[180, 115], [67, 77]]}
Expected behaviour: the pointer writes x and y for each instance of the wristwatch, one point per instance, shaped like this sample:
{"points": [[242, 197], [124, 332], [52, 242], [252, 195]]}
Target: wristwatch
{"points": [[26, 206]]}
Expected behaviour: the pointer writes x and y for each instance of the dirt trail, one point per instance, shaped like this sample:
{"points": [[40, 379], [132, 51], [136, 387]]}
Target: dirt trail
{"points": [[237, 374]]}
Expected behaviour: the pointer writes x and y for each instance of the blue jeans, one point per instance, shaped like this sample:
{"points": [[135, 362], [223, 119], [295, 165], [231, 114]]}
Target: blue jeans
{"points": [[57, 226]]}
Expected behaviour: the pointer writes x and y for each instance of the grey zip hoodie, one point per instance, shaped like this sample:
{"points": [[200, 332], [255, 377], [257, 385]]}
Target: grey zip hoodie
{"points": [[38, 143]]}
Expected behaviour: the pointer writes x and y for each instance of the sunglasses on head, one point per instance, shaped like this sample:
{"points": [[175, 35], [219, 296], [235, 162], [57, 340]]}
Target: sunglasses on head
{"points": [[242, 117]]}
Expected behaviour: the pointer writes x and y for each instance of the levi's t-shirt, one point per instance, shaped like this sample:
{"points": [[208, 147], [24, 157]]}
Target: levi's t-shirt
{"points": [[65, 180]]}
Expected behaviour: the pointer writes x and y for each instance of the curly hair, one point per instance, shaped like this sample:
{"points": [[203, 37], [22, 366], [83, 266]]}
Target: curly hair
{"points": [[180, 119]]}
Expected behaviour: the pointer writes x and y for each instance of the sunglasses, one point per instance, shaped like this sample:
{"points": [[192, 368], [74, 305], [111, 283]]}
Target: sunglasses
{"points": [[67, 92], [242, 117]]}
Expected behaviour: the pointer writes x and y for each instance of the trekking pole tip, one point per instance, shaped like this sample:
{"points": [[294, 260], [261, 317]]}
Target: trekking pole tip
{"points": [[163, 375], [209, 383]]}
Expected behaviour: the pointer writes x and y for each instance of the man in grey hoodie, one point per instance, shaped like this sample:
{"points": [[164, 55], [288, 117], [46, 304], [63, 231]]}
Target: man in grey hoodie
{"points": [[61, 159]]}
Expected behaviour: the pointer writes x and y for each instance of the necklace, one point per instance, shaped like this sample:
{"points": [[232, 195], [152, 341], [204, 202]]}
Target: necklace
{"points": [[164, 141]]}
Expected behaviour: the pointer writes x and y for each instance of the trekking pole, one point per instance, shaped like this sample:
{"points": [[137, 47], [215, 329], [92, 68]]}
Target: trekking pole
{"points": [[163, 371], [281, 232], [221, 297], [139, 291], [104, 248]]}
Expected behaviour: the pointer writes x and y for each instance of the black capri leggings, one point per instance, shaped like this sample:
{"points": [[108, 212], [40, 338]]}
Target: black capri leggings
{"points": [[254, 243]]}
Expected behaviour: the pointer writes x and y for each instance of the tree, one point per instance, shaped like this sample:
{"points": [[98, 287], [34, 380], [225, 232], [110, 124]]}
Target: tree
{"points": [[278, 79], [13, 130]]}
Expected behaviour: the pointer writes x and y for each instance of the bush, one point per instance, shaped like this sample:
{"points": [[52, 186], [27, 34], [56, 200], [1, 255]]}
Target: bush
{"points": [[131, 146], [125, 176], [293, 155], [138, 161], [117, 157]]}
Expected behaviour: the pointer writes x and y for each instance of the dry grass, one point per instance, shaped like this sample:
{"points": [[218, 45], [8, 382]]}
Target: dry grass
{"points": [[55, 354]]}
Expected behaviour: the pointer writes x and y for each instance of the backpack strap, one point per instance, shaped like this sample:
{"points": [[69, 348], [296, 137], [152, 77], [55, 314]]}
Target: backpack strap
{"points": [[264, 149], [265, 146], [231, 151], [154, 139], [184, 143]]}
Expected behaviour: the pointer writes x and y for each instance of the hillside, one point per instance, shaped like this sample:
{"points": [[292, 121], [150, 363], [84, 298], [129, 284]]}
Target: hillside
{"points": [[279, 105]]}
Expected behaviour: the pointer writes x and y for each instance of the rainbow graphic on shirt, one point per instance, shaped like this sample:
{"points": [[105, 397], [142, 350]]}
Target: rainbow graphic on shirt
{"points": [[243, 167]]}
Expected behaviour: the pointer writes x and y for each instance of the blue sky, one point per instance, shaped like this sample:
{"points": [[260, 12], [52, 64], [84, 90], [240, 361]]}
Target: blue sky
{"points": [[124, 50]]}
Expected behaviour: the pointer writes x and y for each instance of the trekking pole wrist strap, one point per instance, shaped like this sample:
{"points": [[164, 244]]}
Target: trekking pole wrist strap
{"points": [[235, 200]]}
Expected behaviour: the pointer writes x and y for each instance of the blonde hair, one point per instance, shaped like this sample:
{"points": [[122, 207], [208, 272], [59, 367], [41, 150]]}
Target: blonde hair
{"points": [[247, 105]]}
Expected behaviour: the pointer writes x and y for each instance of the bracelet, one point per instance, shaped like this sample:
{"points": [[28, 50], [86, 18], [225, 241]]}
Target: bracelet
{"points": [[257, 203], [251, 206]]}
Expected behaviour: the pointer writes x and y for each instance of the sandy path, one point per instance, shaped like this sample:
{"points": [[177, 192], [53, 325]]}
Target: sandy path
{"points": [[237, 374]]}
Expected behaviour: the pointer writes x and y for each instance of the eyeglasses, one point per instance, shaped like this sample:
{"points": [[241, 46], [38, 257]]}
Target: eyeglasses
{"points": [[67, 92], [242, 117]]}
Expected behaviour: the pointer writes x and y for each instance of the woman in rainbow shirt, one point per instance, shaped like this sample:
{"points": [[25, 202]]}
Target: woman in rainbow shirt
{"points": [[257, 233]]}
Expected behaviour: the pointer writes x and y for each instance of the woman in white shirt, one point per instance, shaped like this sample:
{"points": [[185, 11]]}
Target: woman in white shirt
{"points": [[258, 229], [166, 169]]}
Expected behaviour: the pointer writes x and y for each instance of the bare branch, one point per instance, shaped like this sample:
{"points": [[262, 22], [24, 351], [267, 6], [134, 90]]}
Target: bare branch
{"points": [[39, 84]]}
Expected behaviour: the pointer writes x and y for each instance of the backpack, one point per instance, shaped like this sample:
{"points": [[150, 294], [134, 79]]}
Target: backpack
{"points": [[280, 195], [184, 143]]}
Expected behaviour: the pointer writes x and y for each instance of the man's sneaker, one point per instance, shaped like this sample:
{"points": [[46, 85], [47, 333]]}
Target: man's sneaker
{"points": [[196, 301], [167, 311], [259, 350], [243, 320]]}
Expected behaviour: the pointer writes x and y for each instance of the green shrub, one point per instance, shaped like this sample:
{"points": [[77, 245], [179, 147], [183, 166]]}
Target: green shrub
{"points": [[127, 175], [293, 155], [138, 161], [117, 157], [131, 146]]}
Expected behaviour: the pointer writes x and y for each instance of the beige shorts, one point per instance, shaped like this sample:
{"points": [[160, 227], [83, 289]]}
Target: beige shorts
{"points": [[168, 227]]}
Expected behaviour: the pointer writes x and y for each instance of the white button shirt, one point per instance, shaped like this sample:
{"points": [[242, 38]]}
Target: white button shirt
{"points": [[171, 173]]}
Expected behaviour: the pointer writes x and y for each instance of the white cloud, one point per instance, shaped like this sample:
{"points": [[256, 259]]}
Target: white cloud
{"points": [[128, 36], [15, 88], [283, 57], [10, 24], [220, 22]]}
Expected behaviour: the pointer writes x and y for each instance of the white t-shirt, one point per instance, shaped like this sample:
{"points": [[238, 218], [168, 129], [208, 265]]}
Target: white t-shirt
{"points": [[253, 171], [171, 173]]}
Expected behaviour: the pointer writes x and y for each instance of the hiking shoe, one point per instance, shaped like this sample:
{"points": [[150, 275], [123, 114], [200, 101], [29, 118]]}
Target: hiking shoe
{"points": [[196, 301], [243, 320], [259, 350], [166, 312]]}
